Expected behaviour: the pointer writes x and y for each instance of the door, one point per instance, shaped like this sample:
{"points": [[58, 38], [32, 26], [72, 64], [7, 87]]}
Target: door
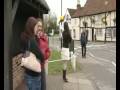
{"points": [[92, 34]]}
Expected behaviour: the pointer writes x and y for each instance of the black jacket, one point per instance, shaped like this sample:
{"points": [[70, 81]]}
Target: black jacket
{"points": [[66, 39], [83, 39], [32, 46]]}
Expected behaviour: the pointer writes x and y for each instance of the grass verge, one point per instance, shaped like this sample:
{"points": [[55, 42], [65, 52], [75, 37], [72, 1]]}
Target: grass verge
{"points": [[55, 68]]}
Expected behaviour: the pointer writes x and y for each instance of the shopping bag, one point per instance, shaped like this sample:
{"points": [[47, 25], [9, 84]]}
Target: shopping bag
{"points": [[31, 62]]}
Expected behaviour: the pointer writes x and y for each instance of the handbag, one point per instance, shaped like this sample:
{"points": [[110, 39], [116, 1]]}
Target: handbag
{"points": [[30, 61]]}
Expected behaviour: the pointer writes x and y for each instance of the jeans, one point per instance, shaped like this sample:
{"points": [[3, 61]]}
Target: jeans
{"points": [[33, 82], [43, 79]]}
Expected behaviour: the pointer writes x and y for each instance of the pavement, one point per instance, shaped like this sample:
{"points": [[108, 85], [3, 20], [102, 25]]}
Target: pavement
{"points": [[77, 81]]}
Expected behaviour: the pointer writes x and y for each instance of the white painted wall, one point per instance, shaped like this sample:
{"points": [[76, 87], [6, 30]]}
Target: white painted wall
{"points": [[75, 22]]}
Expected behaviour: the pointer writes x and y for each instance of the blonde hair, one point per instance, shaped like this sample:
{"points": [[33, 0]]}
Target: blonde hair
{"points": [[40, 20]]}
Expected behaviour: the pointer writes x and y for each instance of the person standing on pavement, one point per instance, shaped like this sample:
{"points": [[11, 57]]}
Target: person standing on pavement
{"points": [[83, 41], [65, 49], [42, 36], [29, 42]]}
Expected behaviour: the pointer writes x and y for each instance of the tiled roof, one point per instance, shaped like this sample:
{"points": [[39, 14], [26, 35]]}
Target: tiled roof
{"points": [[96, 6], [71, 11]]}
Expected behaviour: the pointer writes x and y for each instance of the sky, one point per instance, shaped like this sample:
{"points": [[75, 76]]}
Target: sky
{"points": [[55, 5]]}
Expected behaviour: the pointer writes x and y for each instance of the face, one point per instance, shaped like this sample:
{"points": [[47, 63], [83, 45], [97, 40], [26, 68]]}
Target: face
{"points": [[38, 27]]}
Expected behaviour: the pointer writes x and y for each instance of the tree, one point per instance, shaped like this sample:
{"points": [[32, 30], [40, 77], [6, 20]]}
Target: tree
{"points": [[50, 22]]}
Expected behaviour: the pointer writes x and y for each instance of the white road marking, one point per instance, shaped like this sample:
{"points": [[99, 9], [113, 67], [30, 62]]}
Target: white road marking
{"points": [[114, 63], [112, 51], [105, 60], [91, 54], [112, 46], [89, 46], [111, 70]]}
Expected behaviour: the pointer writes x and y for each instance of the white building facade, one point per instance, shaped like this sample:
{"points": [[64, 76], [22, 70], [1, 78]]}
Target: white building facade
{"points": [[96, 23]]}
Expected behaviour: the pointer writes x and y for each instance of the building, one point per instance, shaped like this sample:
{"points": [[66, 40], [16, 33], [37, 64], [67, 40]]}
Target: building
{"points": [[68, 16], [98, 17]]}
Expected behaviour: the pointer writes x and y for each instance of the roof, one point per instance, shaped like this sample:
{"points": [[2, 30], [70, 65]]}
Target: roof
{"points": [[43, 2], [96, 6], [71, 11]]}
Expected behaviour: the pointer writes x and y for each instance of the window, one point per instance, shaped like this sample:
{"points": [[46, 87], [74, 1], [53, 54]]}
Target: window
{"points": [[75, 20], [74, 36], [85, 24], [114, 32], [99, 32], [108, 32], [68, 19]]}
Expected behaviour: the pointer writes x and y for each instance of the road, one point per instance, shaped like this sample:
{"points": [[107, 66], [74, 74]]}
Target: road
{"points": [[100, 65]]}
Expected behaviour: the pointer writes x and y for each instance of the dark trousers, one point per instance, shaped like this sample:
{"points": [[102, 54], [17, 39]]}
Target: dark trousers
{"points": [[43, 80], [83, 50]]}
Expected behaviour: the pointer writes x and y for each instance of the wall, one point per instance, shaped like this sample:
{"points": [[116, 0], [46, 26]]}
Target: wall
{"points": [[76, 22]]}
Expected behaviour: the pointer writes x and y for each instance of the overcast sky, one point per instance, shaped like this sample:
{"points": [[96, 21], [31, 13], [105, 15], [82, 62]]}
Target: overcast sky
{"points": [[55, 5]]}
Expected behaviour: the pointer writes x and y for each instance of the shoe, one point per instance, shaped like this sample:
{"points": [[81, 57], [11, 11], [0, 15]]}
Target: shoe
{"points": [[64, 76]]}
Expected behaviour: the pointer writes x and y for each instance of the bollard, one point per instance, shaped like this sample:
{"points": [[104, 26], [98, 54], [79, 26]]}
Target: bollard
{"points": [[46, 67], [73, 61]]}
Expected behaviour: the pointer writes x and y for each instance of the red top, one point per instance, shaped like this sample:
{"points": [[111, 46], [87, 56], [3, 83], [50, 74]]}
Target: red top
{"points": [[44, 46]]}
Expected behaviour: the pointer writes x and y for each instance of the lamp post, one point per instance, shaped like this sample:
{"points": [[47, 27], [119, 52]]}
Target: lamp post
{"points": [[61, 7], [61, 24]]}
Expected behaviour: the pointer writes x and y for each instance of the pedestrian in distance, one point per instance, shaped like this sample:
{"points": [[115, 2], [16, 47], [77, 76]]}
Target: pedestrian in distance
{"points": [[83, 41]]}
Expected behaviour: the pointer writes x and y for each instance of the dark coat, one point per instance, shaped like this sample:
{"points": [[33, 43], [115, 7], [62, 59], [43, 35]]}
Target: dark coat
{"points": [[83, 39]]}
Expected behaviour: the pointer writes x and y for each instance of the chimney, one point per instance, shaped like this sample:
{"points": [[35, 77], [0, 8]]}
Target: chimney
{"points": [[78, 4]]}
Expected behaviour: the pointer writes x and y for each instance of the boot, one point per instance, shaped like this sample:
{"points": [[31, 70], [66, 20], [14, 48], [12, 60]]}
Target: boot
{"points": [[64, 76]]}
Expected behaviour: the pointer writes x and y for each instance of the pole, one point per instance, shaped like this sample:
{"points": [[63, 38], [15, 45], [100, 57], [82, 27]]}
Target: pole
{"points": [[61, 7], [61, 24]]}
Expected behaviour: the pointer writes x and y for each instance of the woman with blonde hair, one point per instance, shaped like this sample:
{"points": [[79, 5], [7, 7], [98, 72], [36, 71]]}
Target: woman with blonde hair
{"points": [[42, 40]]}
